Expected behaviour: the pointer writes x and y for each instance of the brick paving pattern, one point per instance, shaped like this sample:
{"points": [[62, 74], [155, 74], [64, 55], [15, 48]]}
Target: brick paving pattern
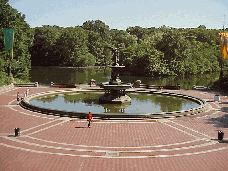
{"points": [[53, 143]]}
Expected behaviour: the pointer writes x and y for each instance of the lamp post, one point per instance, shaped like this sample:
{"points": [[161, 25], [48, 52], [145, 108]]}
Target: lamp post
{"points": [[9, 69]]}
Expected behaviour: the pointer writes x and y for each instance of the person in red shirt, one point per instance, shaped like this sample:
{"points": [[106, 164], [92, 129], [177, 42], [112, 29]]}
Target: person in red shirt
{"points": [[89, 116]]}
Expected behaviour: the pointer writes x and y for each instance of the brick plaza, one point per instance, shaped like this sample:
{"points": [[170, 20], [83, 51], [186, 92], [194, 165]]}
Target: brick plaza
{"points": [[50, 142]]}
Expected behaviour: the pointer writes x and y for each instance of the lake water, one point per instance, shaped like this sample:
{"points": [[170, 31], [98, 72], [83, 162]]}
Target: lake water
{"points": [[46, 75]]}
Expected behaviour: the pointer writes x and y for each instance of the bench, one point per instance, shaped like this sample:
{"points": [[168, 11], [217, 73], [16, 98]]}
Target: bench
{"points": [[200, 88], [26, 84], [63, 85]]}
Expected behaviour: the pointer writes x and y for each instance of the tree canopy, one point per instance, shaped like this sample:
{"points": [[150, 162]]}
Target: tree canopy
{"points": [[23, 37], [145, 51]]}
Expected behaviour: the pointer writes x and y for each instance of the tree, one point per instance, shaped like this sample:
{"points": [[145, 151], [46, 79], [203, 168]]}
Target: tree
{"points": [[96, 47], [99, 39], [99, 27], [72, 46], [137, 31], [23, 36], [202, 26], [144, 59], [44, 50], [121, 38]]}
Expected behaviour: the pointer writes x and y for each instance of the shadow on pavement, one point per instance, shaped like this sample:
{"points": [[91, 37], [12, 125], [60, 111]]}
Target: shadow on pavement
{"points": [[223, 103], [80, 127], [10, 136], [221, 121], [220, 141], [223, 141]]}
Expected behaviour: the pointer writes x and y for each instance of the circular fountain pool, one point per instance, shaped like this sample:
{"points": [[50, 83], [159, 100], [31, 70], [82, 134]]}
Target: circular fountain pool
{"points": [[140, 103]]}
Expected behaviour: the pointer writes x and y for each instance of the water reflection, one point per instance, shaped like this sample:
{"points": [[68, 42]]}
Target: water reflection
{"points": [[166, 103], [140, 103], [46, 75]]}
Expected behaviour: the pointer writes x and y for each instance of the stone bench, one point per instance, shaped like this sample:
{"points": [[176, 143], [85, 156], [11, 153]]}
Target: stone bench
{"points": [[200, 88], [63, 85], [26, 84]]}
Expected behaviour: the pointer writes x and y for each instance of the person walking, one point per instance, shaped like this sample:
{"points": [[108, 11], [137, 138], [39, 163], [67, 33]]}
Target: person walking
{"points": [[27, 92], [18, 97], [89, 116]]}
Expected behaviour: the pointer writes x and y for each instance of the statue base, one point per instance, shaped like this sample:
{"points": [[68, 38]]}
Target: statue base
{"points": [[111, 99]]}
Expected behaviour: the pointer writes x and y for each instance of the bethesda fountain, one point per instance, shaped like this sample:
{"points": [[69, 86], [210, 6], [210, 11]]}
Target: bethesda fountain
{"points": [[115, 89], [115, 100]]}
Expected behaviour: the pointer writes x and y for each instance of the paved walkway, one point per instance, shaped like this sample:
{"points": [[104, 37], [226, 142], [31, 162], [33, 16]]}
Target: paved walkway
{"points": [[52, 143]]}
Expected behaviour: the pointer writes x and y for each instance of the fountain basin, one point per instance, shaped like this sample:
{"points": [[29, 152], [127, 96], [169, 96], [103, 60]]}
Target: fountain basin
{"points": [[118, 114]]}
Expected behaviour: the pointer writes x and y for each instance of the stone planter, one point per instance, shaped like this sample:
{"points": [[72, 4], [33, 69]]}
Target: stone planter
{"points": [[137, 84], [217, 98]]}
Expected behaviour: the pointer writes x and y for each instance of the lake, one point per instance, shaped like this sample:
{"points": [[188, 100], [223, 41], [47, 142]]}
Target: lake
{"points": [[46, 75]]}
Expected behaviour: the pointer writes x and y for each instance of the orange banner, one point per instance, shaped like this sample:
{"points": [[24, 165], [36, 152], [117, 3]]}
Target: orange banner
{"points": [[224, 43]]}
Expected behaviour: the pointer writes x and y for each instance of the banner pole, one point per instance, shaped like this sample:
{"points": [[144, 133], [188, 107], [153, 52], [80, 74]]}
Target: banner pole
{"points": [[223, 60], [9, 67], [221, 72]]}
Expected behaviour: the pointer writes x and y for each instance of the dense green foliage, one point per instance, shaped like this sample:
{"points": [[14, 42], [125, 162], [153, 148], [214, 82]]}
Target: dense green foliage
{"points": [[222, 84], [146, 51], [23, 37]]}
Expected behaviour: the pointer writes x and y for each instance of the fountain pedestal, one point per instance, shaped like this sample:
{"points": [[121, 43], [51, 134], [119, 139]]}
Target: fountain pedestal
{"points": [[115, 94], [115, 90]]}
